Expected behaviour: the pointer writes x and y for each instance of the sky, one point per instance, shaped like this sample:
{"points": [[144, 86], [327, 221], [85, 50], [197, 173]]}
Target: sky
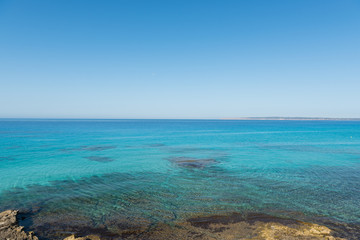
{"points": [[179, 58]]}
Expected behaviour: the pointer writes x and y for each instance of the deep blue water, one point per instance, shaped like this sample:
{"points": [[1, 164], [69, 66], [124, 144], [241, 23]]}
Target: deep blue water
{"points": [[165, 170]]}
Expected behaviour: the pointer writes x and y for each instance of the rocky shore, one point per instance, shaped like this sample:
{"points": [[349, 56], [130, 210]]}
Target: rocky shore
{"points": [[216, 227], [9, 228]]}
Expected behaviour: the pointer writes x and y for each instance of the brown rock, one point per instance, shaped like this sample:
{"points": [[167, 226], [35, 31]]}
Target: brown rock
{"points": [[9, 228], [236, 226], [273, 231], [89, 237]]}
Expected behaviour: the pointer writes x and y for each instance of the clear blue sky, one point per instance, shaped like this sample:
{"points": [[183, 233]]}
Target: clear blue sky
{"points": [[179, 58]]}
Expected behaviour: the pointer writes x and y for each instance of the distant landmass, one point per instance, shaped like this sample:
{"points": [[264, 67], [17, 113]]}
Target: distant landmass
{"points": [[294, 118]]}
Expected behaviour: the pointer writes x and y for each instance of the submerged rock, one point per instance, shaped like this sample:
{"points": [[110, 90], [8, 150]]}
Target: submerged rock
{"points": [[155, 145], [192, 162], [9, 228], [98, 148], [99, 159], [6, 159], [89, 148]]}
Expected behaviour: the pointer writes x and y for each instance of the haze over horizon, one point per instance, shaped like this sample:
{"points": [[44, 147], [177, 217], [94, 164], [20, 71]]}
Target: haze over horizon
{"points": [[179, 59]]}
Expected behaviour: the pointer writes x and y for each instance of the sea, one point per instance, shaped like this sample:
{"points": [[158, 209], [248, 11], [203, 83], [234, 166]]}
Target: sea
{"points": [[76, 173]]}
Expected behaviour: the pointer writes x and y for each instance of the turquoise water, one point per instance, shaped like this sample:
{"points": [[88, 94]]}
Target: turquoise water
{"points": [[165, 170]]}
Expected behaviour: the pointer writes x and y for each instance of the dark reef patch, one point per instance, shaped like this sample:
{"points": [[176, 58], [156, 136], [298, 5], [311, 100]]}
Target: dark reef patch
{"points": [[98, 148], [100, 159], [155, 145], [205, 222], [191, 149], [8, 158], [13, 147], [188, 162], [89, 148], [151, 145]]}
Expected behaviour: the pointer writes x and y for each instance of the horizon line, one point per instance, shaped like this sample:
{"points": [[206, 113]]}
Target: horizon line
{"points": [[225, 119]]}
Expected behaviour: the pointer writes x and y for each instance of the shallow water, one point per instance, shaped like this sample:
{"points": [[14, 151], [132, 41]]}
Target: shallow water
{"points": [[100, 172]]}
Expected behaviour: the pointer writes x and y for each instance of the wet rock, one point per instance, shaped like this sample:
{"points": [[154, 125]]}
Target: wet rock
{"points": [[9, 228], [192, 162], [258, 226], [89, 237], [273, 231], [238, 226]]}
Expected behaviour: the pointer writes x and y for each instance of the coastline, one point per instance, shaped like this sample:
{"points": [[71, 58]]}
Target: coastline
{"points": [[252, 226], [291, 119]]}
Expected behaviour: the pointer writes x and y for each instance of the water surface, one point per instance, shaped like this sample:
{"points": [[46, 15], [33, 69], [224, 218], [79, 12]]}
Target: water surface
{"points": [[95, 172]]}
